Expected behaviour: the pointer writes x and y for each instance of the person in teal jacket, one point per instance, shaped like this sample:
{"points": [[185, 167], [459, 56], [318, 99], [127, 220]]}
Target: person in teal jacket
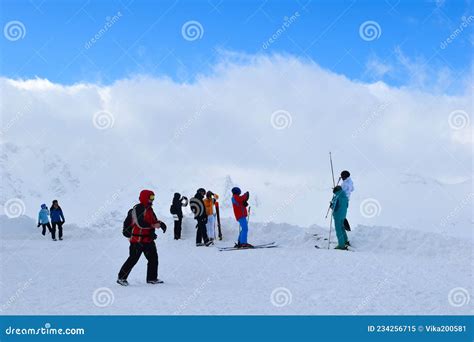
{"points": [[339, 205], [43, 218]]}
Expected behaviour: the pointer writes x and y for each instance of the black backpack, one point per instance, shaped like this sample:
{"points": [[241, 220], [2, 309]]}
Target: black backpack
{"points": [[128, 225]]}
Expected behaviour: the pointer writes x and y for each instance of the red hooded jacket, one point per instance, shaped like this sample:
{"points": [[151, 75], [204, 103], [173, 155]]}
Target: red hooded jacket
{"points": [[240, 210], [142, 231]]}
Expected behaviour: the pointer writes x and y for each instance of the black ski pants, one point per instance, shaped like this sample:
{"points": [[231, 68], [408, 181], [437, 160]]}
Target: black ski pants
{"points": [[136, 250], [46, 225], [177, 228], [60, 230], [201, 232]]}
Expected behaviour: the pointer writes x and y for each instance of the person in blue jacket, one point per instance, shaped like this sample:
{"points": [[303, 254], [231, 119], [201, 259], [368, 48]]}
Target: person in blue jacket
{"points": [[43, 218], [57, 219], [339, 206]]}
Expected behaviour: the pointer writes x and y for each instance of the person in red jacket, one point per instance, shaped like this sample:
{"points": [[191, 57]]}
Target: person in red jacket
{"points": [[239, 203], [142, 240]]}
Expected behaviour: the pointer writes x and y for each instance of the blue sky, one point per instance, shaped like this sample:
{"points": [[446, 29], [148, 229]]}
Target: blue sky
{"points": [[146, 38]]}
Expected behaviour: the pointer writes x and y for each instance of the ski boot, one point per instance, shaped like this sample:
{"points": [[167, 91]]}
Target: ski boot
{"points": [[208, 243], [343, 248], [200, 244], [348, 243], [122, 282], [154, 282]]}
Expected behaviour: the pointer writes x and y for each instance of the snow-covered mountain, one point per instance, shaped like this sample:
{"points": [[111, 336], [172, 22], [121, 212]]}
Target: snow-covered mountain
{"points": [[98, 196]]}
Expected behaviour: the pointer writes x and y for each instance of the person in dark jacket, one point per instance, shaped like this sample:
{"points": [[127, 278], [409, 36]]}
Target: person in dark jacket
{"points": [[142, 239], [197, 207], [177, 212], [57, 220]]}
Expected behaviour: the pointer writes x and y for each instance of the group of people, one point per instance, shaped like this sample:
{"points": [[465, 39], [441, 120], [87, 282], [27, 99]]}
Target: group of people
{"points": [[205, 208], [141, 222], [57, 220]]}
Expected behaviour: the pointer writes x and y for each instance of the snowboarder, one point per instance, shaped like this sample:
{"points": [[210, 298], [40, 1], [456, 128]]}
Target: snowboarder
{"points": [[199, 211], [177, 212], [348, 188], [43, 219], [210, 204], [240, 203], [339, 205], [142, 239], [57, 219]]}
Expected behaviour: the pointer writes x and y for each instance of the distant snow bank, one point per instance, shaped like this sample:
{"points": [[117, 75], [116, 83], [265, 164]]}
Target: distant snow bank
{"points": [[374, 239]]}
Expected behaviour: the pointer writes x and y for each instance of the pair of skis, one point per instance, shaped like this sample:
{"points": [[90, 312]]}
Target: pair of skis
{"points": [[319, 238], [265, 245]]}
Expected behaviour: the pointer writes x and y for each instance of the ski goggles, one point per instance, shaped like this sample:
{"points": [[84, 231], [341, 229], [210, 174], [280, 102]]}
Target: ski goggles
{"points": [[152, 197]]}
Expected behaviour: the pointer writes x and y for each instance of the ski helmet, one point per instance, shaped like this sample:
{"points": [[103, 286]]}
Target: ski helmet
{"points": [[336, 189], [236, 191], [345, 174], [44, 206], [201, 191]]}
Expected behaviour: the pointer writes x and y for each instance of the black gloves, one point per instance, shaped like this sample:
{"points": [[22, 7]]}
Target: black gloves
{"points": [[246, 203], [38, 225], [163, 226]]}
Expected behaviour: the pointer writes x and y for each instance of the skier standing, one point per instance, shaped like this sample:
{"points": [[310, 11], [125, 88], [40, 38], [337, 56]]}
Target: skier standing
{"points": [[348, 188], [239, 203], [142, 240], [210, 204], [57, 219], [339, 205], [177, 212], [43, 219], [199, 211]]}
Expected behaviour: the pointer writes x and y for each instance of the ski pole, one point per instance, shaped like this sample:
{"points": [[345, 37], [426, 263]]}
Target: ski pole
{"points": [[327, 213], [333, 182], [332, 170], [330, 229], [334, 185]]}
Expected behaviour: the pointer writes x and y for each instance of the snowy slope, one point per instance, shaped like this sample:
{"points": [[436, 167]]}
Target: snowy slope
{"points": [[392, 271]]}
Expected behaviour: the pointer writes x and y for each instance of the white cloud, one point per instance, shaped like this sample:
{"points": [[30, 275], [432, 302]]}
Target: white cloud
{"points": [[417, 73], [175, 136], [377, 68]]}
